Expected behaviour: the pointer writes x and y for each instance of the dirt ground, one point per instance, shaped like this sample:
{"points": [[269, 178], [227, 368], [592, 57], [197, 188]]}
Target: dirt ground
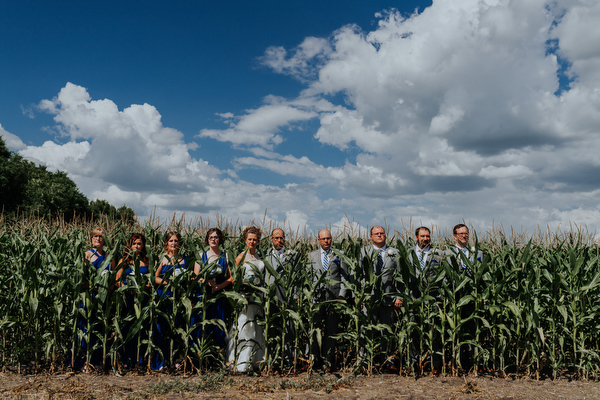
{"points": [[64, 386]]}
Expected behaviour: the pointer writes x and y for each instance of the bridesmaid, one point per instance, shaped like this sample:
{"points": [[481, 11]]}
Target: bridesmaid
{"points": [[134, 256], [97, 256], [171, 265], [218, 279]]}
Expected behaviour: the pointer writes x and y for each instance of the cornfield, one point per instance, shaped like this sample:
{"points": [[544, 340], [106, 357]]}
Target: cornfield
{"points": [[534, 304]]}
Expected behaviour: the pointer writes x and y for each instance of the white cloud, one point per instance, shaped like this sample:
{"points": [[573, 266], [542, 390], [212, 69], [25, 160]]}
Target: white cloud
{"points": [[56, 156], [512, 171], [261, 126], [435, 118], [296, 221], [459, 99], [303, 63], [128, 157], [13, 142]]}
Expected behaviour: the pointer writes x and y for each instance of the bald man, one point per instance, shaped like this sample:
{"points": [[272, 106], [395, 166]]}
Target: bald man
{"points": [[282, 260], [327, 261], [381, 260]]}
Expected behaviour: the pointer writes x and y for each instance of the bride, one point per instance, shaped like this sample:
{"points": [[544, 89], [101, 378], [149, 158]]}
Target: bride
{"points": [[250, 349]]}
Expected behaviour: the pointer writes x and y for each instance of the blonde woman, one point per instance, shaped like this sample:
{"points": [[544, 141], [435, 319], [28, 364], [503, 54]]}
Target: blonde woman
{"points": [[96, 254]]}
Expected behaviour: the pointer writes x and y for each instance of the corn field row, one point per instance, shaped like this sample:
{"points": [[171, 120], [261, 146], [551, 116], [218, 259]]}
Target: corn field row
{"points": [[535, 307]]}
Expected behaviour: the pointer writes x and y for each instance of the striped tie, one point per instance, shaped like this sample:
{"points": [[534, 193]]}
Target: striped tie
{"points": [[326, 260], [379, 262]]}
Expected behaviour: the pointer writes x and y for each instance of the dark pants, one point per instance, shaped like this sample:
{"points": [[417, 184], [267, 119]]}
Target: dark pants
{"points": [[418, 337], [387, 316], [327, 319]]}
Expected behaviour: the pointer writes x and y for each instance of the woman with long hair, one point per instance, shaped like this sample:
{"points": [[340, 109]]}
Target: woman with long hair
{"points": [[130, 272], [172, 264], [218, 278], [98, 258], [246, 347]]}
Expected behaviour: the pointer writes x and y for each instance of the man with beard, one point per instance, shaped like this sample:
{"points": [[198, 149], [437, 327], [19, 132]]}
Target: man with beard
{"points": [[425, 262]]}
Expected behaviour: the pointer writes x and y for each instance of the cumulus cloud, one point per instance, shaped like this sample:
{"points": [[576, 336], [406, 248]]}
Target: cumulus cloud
{"points": [[462, 99], [129, 157], [452, 114], [13, 142], [261, 126]]}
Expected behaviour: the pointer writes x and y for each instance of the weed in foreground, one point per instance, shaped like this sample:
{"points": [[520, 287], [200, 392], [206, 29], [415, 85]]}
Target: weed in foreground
{"points": [[209, 382], [326, 383]]}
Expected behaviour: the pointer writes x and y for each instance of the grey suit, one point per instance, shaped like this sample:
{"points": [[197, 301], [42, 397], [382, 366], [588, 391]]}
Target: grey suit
{"points": [[458, 253], [327, 317], [432, 260], [425, 265], [368, 257], [282, 265], [387, 270], [469, 328], [337, 271]]}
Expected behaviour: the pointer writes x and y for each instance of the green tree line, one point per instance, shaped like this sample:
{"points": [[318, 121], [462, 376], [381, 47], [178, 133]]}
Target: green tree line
{"points": [[30, 189]]}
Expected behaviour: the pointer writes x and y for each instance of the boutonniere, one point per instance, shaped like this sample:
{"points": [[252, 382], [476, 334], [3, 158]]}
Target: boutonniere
{"points": [[391, 253]]}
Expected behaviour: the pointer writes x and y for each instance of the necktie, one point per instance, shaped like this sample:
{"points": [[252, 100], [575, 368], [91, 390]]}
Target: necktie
{"points": [[464, 266], [422, 258], [325, 260], [379, 262]]}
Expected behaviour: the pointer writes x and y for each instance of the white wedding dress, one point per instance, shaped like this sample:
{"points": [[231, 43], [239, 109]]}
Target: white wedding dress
{"points": [[250, 339]]}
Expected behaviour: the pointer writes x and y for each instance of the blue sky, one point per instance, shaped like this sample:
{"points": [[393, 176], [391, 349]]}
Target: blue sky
{"points": [[407, 112]]}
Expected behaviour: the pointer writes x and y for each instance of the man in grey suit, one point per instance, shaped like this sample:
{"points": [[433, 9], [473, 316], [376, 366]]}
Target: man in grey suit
{"points": [[326, 261], [279, 258], [465, 257], [282, 261], [425, 261], [382, 261], [461, 249]]}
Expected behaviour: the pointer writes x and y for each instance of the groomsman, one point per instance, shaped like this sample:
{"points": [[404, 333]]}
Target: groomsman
{"points": [[381, 260], [423, 259], [327, 261], [425, 262], [465, 258], [461, 249], [280, 259]]}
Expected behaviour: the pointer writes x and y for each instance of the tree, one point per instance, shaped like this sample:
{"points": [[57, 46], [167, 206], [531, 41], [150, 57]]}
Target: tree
{"points": [[102, 208], [29, 188], [53, 193]]}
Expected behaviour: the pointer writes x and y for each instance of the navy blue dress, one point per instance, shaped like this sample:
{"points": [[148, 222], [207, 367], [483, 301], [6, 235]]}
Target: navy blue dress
{"points": [[130, 353], [95, 358], [162, 326], [218, 308]]}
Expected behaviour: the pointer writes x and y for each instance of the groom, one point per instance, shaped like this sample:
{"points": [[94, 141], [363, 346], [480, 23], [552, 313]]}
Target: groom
{"points": [[282, 261]]}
